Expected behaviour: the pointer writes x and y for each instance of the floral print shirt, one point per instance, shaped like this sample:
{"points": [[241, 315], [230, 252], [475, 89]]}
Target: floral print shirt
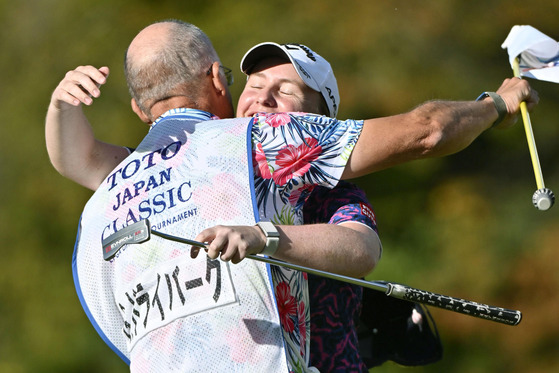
{"points": [[285, 176]]}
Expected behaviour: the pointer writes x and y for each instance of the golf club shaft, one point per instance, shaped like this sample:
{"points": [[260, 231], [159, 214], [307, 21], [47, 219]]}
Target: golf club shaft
{"points": [[529, 134], [351, 280], [492, 313]]}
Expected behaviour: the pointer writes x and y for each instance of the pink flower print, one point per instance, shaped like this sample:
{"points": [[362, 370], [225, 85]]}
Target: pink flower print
{"points": [[261, 167], [278, 120], [287, 306], [295, 161]]}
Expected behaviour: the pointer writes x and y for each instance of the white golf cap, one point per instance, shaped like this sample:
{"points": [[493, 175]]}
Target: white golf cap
{"points": [[315, 71]]}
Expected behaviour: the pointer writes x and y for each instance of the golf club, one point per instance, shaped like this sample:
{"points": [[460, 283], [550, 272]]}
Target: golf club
{"points": [[543, 198], [140, 231]]}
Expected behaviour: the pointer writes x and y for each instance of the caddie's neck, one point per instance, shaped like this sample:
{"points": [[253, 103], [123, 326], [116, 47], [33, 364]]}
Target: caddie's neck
{"points": [[160, 107], [214, 97]]}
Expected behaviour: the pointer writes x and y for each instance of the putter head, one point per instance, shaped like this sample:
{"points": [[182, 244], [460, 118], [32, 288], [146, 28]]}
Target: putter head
{"points": [[134, 233]]}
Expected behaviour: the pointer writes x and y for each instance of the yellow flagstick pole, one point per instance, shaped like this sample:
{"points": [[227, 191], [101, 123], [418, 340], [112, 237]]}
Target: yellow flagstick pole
{"points": [[530, 134], [543, 198]]}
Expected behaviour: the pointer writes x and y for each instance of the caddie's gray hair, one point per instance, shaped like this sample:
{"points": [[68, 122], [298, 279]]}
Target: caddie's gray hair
{"points": [[176, 67]]}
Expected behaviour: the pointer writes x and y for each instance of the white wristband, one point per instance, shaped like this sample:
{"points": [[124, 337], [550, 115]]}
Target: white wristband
{"points": [[272, 237]]}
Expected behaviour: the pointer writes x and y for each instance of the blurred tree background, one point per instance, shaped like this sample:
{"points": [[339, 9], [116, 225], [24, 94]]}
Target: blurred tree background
{"points": [[462, 225]]}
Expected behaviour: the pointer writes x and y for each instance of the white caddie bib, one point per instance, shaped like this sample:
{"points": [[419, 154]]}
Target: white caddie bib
{"points": [[160, 310]]}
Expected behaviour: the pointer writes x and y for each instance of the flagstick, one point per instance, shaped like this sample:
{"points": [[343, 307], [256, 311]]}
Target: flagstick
{"points": [[543, 198], [530, 134]]}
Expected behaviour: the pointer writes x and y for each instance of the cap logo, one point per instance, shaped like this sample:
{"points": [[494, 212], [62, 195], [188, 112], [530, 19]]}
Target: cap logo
{"points": [[332, 98], [303, 70], [293, 46]]}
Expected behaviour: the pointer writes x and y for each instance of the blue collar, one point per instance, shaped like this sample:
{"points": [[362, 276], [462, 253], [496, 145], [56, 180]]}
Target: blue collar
{"points": [[199, 115]]}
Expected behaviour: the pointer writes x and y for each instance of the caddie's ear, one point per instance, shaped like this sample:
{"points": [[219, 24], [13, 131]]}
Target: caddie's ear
{"points": [[136, 109], [218, 80]]}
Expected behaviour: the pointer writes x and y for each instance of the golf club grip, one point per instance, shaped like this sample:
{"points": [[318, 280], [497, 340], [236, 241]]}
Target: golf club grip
{"points": [[483, 311]]}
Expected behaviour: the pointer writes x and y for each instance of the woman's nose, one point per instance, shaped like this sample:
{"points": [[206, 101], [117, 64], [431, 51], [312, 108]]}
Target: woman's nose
{"points": [[265, 98]]}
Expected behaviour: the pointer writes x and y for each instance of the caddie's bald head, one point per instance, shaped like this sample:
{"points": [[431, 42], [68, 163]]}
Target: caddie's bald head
{"points": [[149, 43], [167, 58]]}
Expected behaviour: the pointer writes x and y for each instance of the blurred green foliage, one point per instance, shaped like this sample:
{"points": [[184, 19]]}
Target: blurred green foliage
{"points": [[463, 225]]}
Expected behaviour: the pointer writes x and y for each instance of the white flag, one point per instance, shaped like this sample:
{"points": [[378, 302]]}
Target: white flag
{"points": [[538, 53]]}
